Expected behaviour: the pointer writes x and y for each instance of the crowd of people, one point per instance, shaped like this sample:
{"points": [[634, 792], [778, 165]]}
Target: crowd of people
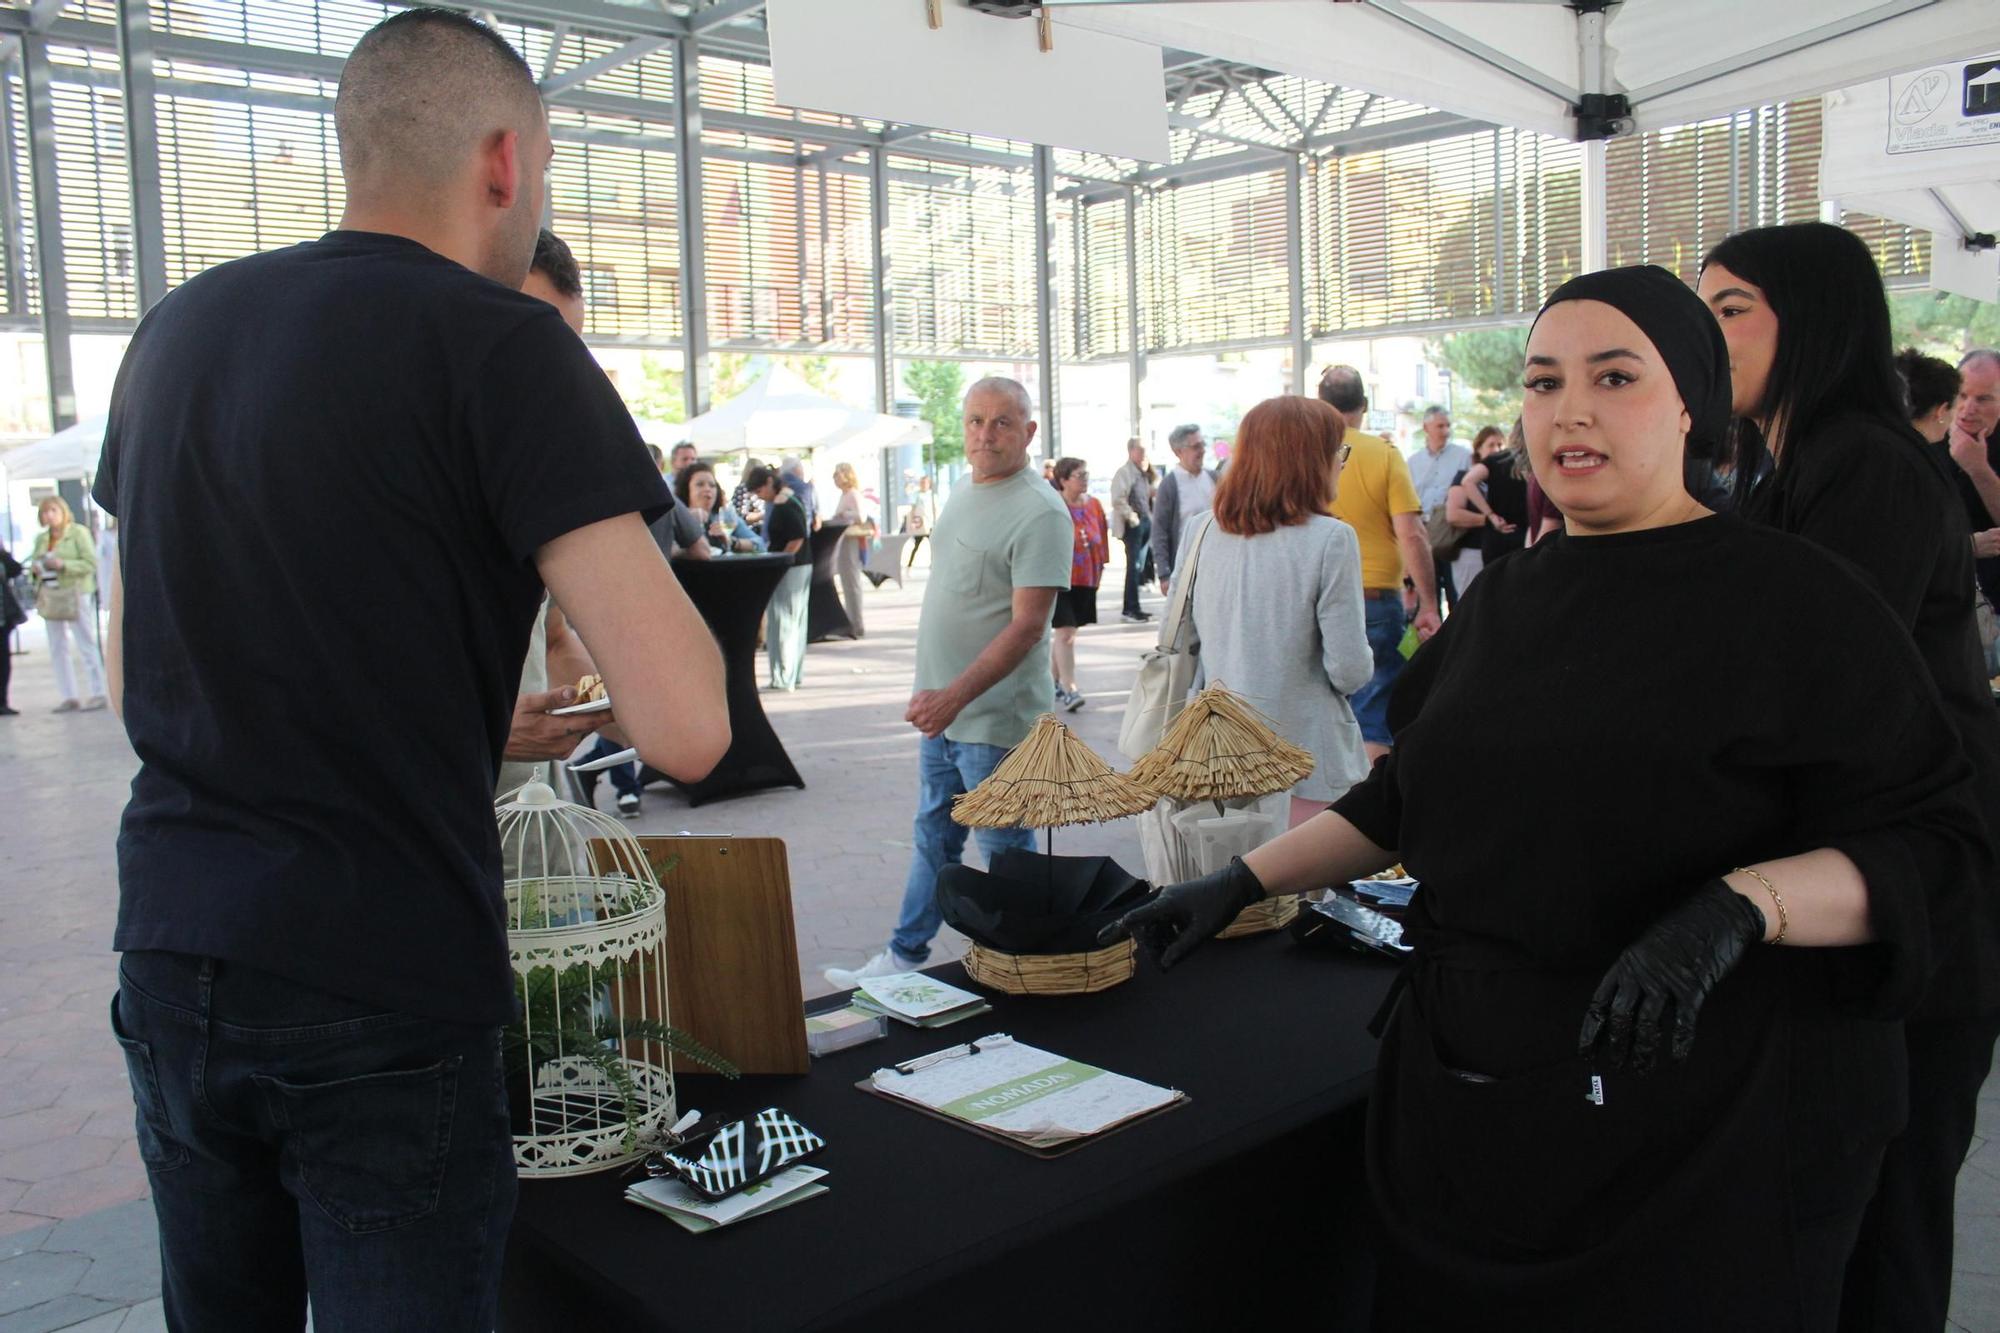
{"points": [[1718, 968]]}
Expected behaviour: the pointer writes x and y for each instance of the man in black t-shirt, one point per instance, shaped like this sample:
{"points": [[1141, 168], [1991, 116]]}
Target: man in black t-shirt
{"points": [[1974, 441], [324, 459]]}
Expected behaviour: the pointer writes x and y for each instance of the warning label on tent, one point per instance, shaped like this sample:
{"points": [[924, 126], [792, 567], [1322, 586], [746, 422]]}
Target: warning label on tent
{"points": [[1945, 106]]}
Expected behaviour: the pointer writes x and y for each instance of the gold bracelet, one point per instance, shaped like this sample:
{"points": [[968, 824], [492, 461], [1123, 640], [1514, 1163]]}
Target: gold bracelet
{"points": [[1784, 921]]}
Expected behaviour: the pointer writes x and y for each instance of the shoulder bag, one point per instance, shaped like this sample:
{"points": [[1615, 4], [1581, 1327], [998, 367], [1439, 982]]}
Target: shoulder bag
{"points": [[1167, 670], [56, 602]]}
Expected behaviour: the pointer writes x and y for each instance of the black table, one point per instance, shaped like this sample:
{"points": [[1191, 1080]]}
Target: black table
{"points": [[1245, 1208], [826, 618], [731, 593]]}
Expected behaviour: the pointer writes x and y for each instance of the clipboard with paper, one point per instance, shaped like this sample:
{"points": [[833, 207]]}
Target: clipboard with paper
{"points": [[1035, 1100]]}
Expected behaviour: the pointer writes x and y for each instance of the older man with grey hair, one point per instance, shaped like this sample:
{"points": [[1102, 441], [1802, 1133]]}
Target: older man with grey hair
{"points": [[1001, 558], [1186, 492]]}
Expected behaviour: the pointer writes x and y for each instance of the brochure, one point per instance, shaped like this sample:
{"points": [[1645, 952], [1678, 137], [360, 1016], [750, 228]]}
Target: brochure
{"points": [[671, 1198], [1019, 1092], [913, 998], [838, 1029]]}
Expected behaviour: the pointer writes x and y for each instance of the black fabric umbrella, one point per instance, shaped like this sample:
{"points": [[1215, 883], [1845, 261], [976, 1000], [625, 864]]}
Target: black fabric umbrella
{"points": [[1029, 903]]}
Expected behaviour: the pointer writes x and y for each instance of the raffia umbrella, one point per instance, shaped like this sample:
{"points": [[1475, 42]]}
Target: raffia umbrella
{"points": [[1052, 779], [1221, 749]]}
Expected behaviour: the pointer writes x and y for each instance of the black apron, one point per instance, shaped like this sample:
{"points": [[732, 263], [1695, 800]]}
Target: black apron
{"points": [[1548, 1201]]}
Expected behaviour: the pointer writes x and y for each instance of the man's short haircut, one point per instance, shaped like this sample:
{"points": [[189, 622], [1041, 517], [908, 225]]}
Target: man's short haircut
{"points": [[1434, 411], [1180, 435], [1001, 384], [1341, 388], [554, 262], [683, 444], [789, 463], [420, 91], [659, 459], [1990, 355]]}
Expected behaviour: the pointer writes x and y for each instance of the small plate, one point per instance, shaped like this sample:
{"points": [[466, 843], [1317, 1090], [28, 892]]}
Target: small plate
{"points": [[594, 706]]}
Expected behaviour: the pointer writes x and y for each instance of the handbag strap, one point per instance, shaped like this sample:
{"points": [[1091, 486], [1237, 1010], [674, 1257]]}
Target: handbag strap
{"points": [[1173, 629]]}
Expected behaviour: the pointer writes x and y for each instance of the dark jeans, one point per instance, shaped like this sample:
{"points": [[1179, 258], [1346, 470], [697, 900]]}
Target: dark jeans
{"points": [[1138, 541], [1900, 1274], [300, 1142]]}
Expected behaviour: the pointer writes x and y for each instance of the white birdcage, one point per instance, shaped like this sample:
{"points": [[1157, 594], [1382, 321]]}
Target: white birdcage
{"points": [[589, 1075]]}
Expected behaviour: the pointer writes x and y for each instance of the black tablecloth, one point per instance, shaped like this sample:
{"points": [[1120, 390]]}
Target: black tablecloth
{"points": [[1246, 1205], [826, 618], [731, 593]]}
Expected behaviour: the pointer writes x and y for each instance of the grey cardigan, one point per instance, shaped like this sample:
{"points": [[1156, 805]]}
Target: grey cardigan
{"points": [[1279, 621]]}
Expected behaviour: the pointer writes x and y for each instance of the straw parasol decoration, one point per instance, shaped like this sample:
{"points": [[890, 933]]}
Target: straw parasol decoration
{"points": [[1050, 780], [1220, 749]]}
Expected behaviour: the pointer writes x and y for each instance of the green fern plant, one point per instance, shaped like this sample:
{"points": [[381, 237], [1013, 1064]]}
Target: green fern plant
{"points": [[559, 1020]]}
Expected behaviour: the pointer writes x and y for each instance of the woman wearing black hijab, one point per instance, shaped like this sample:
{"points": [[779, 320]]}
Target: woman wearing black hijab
{"points": [[1555, 1142], [1807, 325]]}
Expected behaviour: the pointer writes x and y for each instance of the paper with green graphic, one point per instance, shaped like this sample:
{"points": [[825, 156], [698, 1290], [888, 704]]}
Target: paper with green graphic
{"points": [[1010, 1088]]}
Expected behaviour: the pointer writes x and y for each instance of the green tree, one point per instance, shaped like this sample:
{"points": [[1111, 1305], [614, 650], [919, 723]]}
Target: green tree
{"points": [[939, 387], [1485, 366], [1942, 324], [664, 397]]}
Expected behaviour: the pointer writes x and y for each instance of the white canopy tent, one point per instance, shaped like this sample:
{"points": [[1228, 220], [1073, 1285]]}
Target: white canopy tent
{"points": [[1923, 149], [1534, 63], [68, 455]]}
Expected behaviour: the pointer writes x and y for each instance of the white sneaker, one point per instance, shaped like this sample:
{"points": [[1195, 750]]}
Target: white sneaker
{"points": [[628, 805], [884, 964]]}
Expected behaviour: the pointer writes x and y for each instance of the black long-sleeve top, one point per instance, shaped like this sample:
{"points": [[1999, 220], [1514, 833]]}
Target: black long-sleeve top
{"points": [[1874, 494], [1662, 706]]}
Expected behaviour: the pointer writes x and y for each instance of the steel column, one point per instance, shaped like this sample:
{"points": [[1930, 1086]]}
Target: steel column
{"points": [[1045, 294], [1596, 239], [142, 145], [687, 199], [1295, 270], [885, 343], [1137, 366], [12, 226], [48, 231]]}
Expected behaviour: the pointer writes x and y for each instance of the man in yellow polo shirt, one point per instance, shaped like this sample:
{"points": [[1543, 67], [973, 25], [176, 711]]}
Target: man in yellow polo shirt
{"points": [[1379, 502]]}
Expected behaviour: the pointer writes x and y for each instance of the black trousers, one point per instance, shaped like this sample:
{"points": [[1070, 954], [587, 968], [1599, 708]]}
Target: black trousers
{"points": [[1138, 541], [1899, 1276], [6, 664]]}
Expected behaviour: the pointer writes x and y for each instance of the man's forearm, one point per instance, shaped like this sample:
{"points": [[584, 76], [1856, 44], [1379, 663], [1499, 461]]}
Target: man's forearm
{"points": [[1001, 656], [1417, 558]]}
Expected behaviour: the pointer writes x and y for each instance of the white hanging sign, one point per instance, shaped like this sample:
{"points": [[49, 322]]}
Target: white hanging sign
{"points": [[1951, 105]]}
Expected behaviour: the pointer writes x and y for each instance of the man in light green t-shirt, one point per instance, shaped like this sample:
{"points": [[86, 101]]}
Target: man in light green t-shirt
{"points": [[1000, 552]]}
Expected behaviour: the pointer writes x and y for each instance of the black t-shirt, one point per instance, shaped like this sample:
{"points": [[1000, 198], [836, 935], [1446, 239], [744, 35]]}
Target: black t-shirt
{"points": [[332, 466], [1507, 493], [1986, 570], [787, 522]]}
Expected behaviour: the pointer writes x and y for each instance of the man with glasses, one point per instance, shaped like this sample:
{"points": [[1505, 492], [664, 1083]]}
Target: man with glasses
{"points": [[1186, 492]]}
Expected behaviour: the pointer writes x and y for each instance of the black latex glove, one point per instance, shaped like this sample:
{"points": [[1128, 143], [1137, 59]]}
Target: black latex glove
{"points": [[1675, 963], [1178, 919]]}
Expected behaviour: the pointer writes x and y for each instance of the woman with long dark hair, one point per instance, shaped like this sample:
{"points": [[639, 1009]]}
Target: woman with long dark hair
{"points": [[1812, 366], [1637, 1075]]}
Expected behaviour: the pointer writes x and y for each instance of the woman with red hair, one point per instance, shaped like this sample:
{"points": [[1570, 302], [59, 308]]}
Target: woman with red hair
{"points": [[1277, 599]]}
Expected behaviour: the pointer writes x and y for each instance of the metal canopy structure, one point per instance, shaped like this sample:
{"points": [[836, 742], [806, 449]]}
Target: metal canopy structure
{"points": [[144, 140]]}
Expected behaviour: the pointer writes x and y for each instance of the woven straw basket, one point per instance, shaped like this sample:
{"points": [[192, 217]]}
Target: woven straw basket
{"points": [[1051, 974], [1261, 918]]}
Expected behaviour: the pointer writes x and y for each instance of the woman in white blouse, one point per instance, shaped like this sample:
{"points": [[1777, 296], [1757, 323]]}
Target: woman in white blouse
{"points": [[1277, 597]]}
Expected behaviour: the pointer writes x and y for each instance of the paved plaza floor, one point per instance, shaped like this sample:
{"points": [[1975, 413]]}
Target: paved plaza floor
{"points": [[77, 1245]]}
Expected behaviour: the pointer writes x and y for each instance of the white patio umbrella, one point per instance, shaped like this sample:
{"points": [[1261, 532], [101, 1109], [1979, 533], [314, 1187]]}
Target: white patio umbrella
{"points": [[68, 455], [780, 413]]}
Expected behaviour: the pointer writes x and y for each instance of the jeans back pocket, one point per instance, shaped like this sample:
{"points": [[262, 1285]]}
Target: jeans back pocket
{"points": [[370, 1150], [159, 1148]]}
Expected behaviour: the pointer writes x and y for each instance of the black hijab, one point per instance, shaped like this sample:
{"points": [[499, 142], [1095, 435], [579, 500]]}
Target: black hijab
{"points": [[1686, 335]]}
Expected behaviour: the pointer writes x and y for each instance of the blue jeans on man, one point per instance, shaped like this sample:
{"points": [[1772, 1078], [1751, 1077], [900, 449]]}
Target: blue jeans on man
{"points": [[945, 769], [301, 1141], [624, 777], [1383, 613]]}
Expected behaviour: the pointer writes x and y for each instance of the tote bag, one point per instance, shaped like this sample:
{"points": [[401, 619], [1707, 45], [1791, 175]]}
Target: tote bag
{"points": [[1166, 671], [56, 603]]}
